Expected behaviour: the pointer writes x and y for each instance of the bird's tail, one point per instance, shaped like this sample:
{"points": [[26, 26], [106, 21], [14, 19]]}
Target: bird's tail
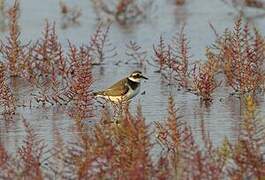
{"points": [[96, 93]]}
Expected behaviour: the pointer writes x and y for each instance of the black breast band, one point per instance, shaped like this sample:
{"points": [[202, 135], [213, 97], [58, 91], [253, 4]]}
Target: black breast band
{"points": [[133, 84]]}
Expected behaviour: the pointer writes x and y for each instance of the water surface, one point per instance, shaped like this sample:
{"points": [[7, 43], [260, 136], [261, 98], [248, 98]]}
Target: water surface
{"points": [[221, 118]]}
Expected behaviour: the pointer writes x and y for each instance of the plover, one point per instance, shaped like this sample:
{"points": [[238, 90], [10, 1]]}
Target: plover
{"points": [[123, 90]]}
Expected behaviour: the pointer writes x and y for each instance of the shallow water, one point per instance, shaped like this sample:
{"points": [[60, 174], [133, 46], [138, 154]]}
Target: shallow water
{"points": [[221, 118]]}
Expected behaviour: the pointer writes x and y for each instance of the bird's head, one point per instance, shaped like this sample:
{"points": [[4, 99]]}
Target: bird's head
{"points": [[136, 76]]}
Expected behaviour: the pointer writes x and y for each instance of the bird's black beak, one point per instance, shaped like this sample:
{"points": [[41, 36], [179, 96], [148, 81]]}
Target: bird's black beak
{"points": [[143, 77]]}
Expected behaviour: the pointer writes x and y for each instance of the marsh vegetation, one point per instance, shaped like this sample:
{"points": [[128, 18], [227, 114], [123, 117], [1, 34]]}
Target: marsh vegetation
{"points": [[199, 117]]}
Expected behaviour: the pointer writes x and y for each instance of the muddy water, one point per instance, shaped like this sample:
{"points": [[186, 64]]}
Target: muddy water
{"points": [[221, 118]]}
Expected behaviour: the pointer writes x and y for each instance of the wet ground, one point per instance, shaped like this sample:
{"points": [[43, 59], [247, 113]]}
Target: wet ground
{"points": [[221, 118]]}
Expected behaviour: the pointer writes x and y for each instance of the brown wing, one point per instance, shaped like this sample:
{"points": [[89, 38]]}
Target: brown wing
{"points": [[118, 89]]}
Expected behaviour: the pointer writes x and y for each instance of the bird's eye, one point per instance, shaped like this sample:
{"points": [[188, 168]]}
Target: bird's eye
{"points": [[136, 76]]}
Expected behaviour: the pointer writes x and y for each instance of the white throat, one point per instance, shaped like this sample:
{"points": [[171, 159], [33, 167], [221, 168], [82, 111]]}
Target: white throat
{"points": [[135, 80]]}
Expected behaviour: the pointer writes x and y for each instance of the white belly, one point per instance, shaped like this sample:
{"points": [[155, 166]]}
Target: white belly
{"points": [[130, 94], [133, 93]]}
